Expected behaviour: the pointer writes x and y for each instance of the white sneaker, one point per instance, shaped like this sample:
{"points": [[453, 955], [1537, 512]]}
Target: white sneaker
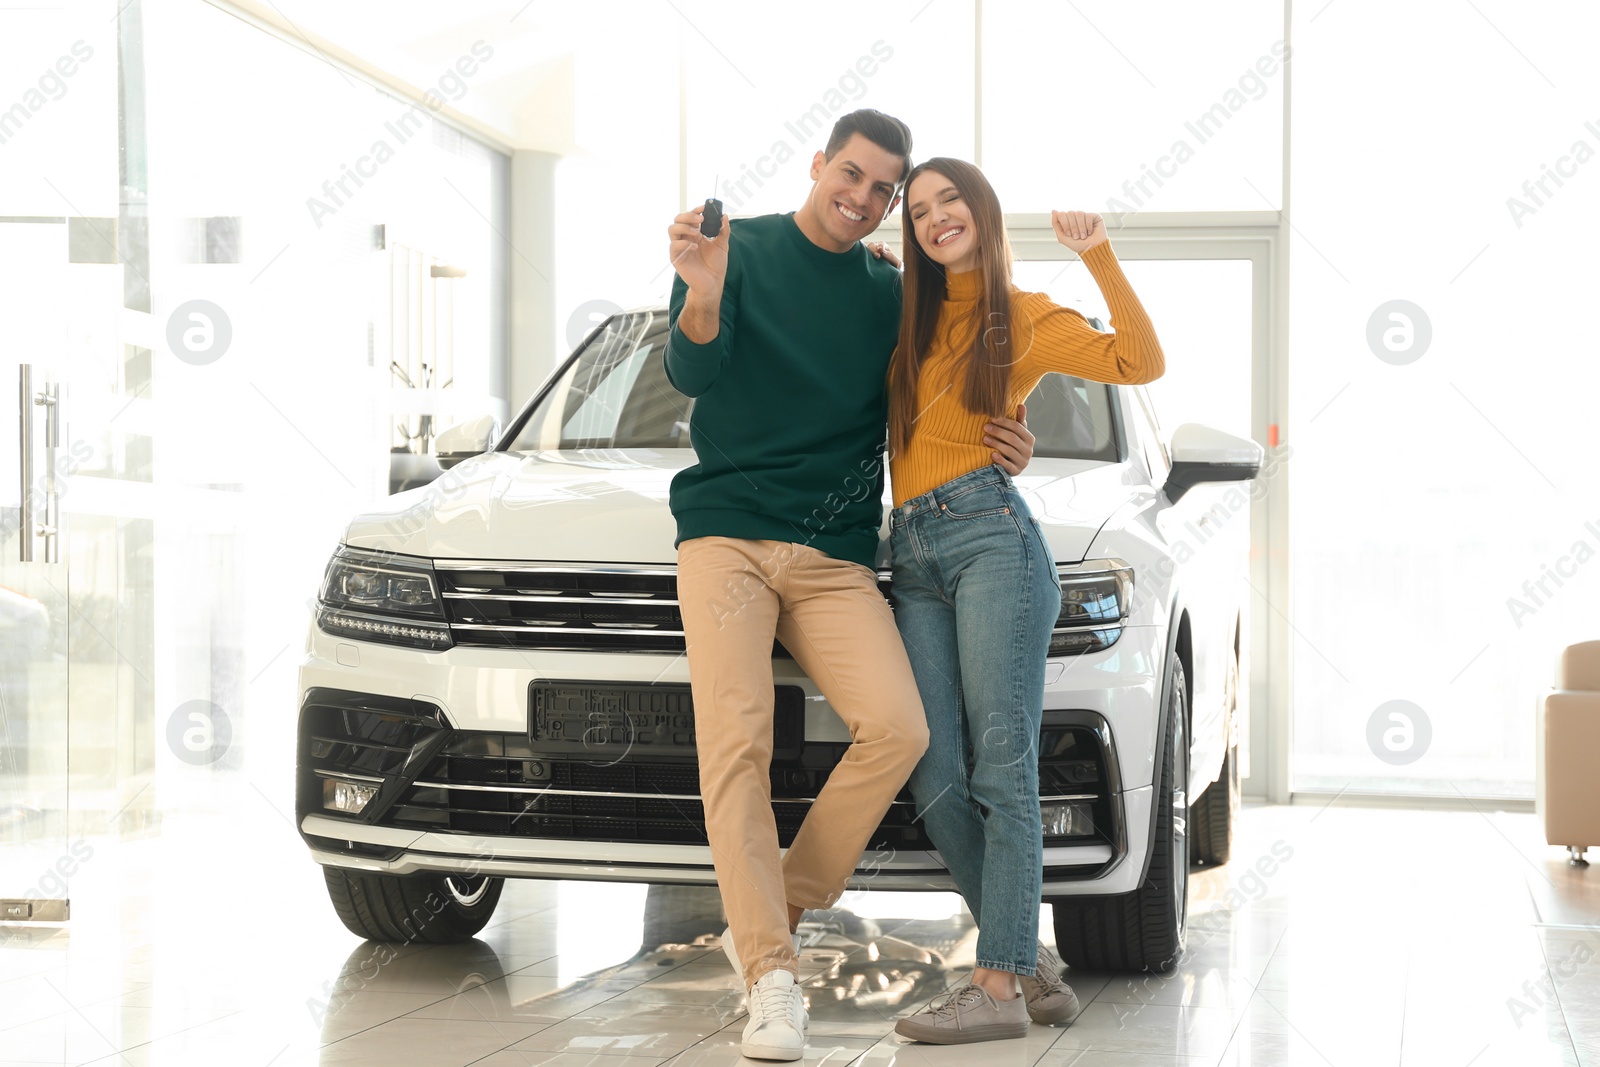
{"points": [[778, 1018], [733, 953]]}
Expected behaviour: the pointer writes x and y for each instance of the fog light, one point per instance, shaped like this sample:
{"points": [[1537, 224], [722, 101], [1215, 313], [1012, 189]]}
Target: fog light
{"points": [[348, 797], [1072, 818]]}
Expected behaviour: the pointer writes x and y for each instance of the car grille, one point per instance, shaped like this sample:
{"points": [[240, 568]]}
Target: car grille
{"points": [[503, 785], [549, 606], [659, 803], [584, 607]]}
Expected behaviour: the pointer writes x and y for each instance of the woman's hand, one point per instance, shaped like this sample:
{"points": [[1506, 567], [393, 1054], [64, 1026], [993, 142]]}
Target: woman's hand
{"points": [[1011, 439], [1079, 230], [880, 250]]}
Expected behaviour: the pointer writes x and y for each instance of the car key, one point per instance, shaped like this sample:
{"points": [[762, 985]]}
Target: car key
{"points": [[711, 224]]}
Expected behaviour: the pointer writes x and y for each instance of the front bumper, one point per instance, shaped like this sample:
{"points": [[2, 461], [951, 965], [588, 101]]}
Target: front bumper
{"points": [[474, 706], [394, 851]]}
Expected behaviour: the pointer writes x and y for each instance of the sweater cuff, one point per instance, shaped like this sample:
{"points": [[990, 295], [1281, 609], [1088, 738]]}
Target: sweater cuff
{"points": [[692, 367], [681, 344], [1099, 254]]}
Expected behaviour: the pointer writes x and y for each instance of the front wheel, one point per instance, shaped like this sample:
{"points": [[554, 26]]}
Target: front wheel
{"points": [[1143, 930], [430, 908]]}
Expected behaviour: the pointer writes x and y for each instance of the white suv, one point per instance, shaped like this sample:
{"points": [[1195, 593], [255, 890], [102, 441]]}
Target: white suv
{"points": [[495, 682]]}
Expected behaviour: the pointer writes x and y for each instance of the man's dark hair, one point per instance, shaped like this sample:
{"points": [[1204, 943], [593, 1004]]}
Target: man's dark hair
{"points": [[885, 131]]}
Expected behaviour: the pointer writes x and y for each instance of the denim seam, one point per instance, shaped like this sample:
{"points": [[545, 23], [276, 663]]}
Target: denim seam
{"points": [[929, 563], [1021, 649]]}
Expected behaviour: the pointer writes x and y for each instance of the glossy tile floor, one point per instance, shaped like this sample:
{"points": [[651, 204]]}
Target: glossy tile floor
{"points": [[1338, 935]]}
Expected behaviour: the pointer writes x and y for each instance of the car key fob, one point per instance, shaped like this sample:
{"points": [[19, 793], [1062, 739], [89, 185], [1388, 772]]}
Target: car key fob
{"points": [[711, 224]]}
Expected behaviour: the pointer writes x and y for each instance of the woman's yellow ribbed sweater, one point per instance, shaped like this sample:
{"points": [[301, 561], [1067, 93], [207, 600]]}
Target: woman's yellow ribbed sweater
{"points": [[947, 438]]}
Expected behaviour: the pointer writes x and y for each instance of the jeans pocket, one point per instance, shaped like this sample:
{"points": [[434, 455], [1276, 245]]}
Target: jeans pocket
{"points": [[978, 502]]}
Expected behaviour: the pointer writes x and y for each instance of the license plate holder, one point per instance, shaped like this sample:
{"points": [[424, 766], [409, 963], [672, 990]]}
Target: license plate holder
{"points": [[649, 720]]}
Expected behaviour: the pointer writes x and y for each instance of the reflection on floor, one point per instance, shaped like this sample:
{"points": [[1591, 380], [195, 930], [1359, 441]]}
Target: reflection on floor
{"points": [[1342, 935]]}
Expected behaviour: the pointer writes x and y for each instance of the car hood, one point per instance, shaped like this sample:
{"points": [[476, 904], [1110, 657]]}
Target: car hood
{"points": [[610, 506]]}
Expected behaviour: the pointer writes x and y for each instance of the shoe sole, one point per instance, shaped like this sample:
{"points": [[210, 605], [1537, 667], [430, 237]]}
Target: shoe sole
{"points": [[770, 1052], [757, 1051], [944, 1035], [1058, 1017]]}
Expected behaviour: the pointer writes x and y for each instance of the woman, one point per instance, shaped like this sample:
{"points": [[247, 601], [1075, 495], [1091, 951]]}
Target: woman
{"points": [[976, 592]]}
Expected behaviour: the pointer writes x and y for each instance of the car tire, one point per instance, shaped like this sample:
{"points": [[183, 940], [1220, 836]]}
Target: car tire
{"points": [[431, 909], [1213, 815], [1211, 831], [1143, 930]]}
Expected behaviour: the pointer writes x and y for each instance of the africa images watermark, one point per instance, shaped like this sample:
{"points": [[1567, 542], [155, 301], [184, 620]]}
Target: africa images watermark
{"points": [[1541, 992], [1232, 502], [1538, 191], [338, 994], [1217, 924], [856, 487], [68, 462], [452, 84], [815, 120], [1537, 591], [52, 85], [1251, 85]]}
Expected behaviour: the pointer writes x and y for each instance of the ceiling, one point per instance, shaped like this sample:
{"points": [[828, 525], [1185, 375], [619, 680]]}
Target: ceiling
{"points": [[522, 96]]}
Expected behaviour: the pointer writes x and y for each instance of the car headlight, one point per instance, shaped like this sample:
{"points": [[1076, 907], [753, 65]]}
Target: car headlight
{"points": [[1096, 596], [376, 596]]}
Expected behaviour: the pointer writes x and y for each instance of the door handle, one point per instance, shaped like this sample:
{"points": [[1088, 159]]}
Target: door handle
{"points": [[49, 399], [50, 529], [25, 422]]}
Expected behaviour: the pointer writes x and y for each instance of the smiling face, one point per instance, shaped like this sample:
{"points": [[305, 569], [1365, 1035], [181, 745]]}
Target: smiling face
{"points": [[854, 191], [942, 222]]}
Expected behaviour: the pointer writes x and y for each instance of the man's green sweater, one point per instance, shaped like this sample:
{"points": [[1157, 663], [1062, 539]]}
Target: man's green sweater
{"points": [[792, 394]]}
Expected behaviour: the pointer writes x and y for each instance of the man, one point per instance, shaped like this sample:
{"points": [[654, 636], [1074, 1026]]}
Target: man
{"points": [[782, 327]]}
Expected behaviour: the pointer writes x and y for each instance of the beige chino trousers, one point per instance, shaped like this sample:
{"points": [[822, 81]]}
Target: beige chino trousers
{"points": [[735, 595]]}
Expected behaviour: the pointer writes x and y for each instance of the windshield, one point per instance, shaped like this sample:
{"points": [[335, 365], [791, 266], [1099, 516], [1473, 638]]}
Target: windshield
{"points": [[614, 393]]}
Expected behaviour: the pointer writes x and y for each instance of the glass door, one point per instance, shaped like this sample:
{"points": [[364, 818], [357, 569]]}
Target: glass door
{"points": [[60, 190], [36, 859]]}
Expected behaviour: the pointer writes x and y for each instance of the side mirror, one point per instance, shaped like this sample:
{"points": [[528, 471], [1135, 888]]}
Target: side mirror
{"points": [[1205, 454], [465, 440]]}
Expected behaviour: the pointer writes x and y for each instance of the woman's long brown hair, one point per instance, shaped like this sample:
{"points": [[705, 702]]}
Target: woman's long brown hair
{"points": [[990, 354]]}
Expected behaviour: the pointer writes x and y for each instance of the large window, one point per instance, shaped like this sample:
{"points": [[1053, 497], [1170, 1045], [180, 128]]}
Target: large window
{"points": [[219, 245], [1088, 105], [760, 90], [346, 238], [765, 84], [1201, 310], [1443, 375]]}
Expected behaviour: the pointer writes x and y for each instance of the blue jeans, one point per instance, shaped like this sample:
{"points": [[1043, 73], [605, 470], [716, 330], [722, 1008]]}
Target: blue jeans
{"points": [[975, 596]]}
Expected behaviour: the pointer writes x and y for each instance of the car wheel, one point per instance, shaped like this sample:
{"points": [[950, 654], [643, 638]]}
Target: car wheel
{"points": [[435, 909], [1143, 930], [1214, 809]]}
